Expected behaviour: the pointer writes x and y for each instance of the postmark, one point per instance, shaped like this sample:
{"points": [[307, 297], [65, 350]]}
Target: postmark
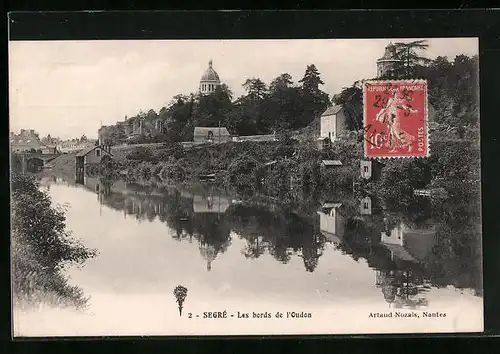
{"points": [[395, 119]]}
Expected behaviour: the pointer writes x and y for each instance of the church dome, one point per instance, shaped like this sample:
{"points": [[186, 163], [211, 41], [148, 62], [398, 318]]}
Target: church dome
{"points": [[210, 74], [209, 81]]}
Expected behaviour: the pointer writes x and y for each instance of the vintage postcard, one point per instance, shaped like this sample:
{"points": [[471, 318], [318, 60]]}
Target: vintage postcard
{"points": [[245, 187]]}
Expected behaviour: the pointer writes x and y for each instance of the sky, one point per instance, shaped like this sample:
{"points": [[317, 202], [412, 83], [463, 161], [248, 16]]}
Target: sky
{"points": [[70, 88]]}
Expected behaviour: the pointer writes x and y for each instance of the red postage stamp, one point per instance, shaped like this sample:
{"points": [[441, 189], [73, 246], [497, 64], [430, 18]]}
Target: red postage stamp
{"points": [[395, 119]]}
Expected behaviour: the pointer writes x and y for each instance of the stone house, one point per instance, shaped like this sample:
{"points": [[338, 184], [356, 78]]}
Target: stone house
{"points": [[211, 135], [94, 154]]}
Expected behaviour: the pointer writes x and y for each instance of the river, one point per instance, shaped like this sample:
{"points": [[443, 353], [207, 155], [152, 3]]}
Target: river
{"points": [[343, 264]]}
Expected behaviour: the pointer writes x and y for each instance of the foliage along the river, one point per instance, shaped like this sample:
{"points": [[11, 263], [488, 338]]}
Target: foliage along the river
{"points": [[42, 248]]}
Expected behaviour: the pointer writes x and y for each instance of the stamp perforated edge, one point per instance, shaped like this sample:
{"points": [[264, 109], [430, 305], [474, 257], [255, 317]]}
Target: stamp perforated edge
{"points": [[364, 84]]}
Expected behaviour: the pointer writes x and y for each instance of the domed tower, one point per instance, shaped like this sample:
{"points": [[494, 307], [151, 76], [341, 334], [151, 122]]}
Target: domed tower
{"points": [[208, 253], [388, 62], [209, 81]]}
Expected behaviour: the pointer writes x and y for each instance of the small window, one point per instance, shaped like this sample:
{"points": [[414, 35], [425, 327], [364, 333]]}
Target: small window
{"points": [[366, 205], [210, 135], [366, 169], [97, 152]]}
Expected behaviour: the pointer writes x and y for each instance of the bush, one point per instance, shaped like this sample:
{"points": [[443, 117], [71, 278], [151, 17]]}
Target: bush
{"points": [[140, 153], [174, 172], [41, 247], [157, 169], [242, 172]]}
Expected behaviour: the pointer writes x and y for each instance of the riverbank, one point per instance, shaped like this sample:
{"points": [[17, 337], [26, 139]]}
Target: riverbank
{"points": [[41, 248], [284, 169], [291, 170]]}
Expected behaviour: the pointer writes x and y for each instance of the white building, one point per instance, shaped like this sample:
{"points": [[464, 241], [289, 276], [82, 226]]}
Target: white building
{"points": [[332, 123], [331, 223], [409, 244]]}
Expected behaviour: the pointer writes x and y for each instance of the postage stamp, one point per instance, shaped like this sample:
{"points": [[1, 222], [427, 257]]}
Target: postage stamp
{"points": [[395, 119]]}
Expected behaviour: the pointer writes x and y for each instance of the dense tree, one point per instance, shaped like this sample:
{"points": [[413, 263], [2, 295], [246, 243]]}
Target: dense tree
{"points": [[410, 59], [311, 80], [113, 135], [314, 101], [212, 109], [256, 88], [351, 99], [280, 83], [223, 88]]}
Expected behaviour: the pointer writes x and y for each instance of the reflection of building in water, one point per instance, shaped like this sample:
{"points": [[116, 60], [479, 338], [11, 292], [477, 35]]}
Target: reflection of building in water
{"points": [[404, 285], [402, 288], [409, 244], [365, 207], [331, 223], [208, 252], [47, 181], [210, 204], [98, 186], [370, 169], [80, 177]]}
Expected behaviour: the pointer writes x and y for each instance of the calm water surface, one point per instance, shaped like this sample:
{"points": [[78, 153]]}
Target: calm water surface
{"points": [[339, 263]]}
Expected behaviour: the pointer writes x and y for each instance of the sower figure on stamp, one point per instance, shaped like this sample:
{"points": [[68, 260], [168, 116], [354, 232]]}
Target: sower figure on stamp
{"points": [[389, 116]]}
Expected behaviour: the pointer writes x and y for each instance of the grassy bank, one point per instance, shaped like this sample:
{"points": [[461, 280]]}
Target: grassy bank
{"points": [[41, 249]]}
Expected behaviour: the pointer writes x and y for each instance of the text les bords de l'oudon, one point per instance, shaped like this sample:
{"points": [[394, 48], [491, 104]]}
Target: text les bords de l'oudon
{"points": [[247, 315]]}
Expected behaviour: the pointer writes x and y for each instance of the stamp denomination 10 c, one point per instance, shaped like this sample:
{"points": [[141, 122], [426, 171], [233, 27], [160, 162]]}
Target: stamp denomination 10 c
{"points": [[395, 119]]}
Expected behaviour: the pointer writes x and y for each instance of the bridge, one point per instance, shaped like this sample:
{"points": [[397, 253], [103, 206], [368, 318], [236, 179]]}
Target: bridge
{"points": [[34, 161]]}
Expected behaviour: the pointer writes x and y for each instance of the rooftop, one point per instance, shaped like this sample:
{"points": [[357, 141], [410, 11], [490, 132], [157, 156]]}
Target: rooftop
{"points": [[332, 163], [89, 149], [210, 74], [331, 205], [332, 110]]}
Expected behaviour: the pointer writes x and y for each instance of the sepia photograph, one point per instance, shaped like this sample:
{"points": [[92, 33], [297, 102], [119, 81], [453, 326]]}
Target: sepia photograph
{"points": [[245, 187]]}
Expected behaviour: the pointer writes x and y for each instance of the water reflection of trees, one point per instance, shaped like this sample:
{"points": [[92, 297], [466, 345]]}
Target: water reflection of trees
{"points": [[174, 208], [403, 288], [278, 231], [451, 257]]}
